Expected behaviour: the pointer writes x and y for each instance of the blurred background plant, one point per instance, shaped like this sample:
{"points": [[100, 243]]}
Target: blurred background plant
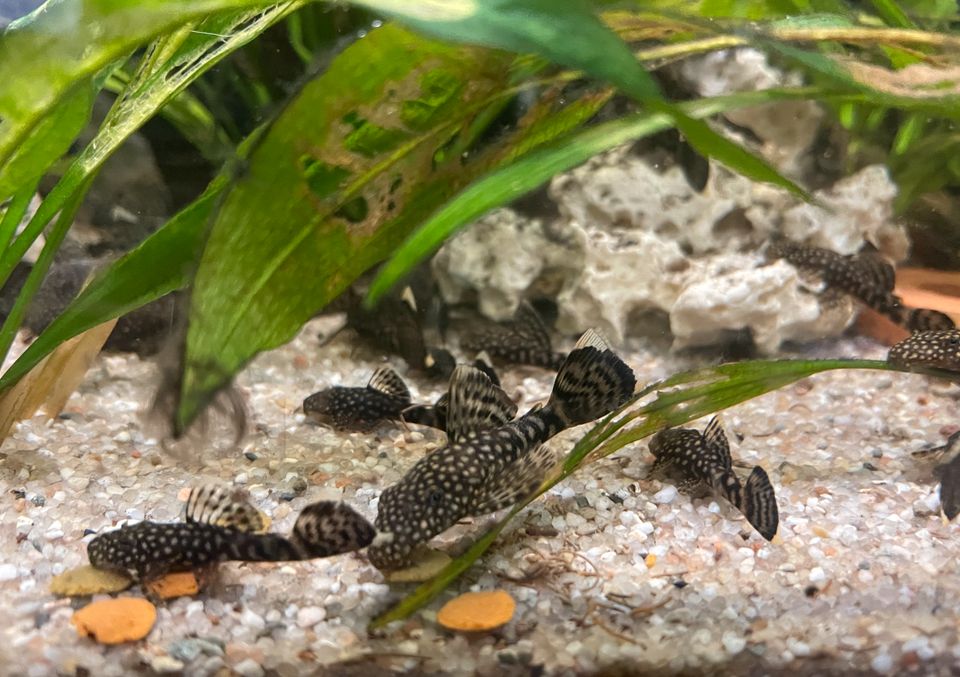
{"points": [[302, 143]]}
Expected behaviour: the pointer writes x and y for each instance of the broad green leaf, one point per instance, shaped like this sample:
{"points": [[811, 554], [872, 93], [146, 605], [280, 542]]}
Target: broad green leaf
{"points": [[355, 160], [568, 33], [681, 398], [511, 181], [572, 35]]}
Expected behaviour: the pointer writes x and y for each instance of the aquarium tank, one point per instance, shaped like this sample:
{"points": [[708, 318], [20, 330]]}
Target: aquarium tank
{"points": [[523, 337]]}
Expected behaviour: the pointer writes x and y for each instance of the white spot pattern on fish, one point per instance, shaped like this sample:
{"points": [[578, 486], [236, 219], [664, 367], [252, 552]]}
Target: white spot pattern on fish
{"points": [[346, 408], [487, 470], [700, 462]]}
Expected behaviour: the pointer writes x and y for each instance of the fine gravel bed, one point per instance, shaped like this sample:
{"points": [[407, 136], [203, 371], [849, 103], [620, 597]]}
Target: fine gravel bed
{"points": [[611, 572]]}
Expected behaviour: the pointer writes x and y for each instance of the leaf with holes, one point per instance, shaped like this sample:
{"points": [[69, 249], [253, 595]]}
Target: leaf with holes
{"points": [[359, 157]]}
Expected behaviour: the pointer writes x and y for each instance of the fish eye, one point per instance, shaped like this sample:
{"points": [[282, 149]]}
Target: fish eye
{"points": [[435, 497]]}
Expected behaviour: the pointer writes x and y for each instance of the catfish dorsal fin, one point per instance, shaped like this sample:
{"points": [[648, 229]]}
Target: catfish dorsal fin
{"points": [[385, 380], [216, 505], [528, 324], [483, 362], [475, 403], [591, 338], [714, 436]]}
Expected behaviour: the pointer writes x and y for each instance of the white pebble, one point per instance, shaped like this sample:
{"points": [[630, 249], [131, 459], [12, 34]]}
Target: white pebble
{"points": [[248, 668], [732, 643], [665, 495], [164, 664], [882, 662], [8, 572], [309, 616], [817, 575], [252, 620]]}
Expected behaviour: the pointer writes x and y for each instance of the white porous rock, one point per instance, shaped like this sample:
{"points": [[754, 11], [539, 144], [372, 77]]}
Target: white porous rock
{"points": [[786, 128], [618, 189], [624, 272], [502, 258], [732, 292], [858, 208]]}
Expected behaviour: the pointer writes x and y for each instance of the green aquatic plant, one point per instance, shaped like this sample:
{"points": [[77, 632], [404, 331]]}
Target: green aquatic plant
{"points": [[388, 149]]}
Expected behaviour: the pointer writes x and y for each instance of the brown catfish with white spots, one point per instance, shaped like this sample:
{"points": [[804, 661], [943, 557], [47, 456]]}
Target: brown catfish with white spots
{"points": [[484, 470], [218, 527], [522, 340], [344, 408], [435, 415], [948, 472], [928, 349], [701, 463], [865, 276]]}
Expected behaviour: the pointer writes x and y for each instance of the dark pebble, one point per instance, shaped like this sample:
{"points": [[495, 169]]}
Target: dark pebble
{"points": [[583, 502], [250, 456], [38, 500], [811, 591], [40, 619], [89, 532], [18, 493], [877, 453], [615, 499], [507, 658], [679, 585], [870, 466]]}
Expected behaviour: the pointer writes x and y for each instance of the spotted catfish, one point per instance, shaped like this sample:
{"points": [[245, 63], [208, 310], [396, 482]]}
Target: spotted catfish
{"points": [[435, 415], [948, 472], [219, 526], [865, 276], [701, 463], [384, 397], [397, 325], [522, 340], [928, 349], [484, 470]]}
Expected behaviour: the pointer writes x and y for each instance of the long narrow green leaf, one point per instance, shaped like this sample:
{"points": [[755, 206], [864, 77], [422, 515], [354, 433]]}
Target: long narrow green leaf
{"points": [[514, 180], [163, 263], [712, 389], [48, 55], [146, 94]]}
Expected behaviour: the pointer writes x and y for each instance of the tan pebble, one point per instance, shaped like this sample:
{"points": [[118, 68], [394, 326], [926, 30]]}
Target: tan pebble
{"points": [[20, 504], [650, 560], [136, 453], [183, 494], [821, 532], [300, 361]]}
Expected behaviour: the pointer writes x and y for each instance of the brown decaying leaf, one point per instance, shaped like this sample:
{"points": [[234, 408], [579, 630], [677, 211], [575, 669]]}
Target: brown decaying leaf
{"points": [[916, 81], [53, 380]]}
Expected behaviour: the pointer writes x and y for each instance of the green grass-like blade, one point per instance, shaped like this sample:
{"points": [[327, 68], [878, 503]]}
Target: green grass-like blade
{"points": [[513, 180], [682, 397]]}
